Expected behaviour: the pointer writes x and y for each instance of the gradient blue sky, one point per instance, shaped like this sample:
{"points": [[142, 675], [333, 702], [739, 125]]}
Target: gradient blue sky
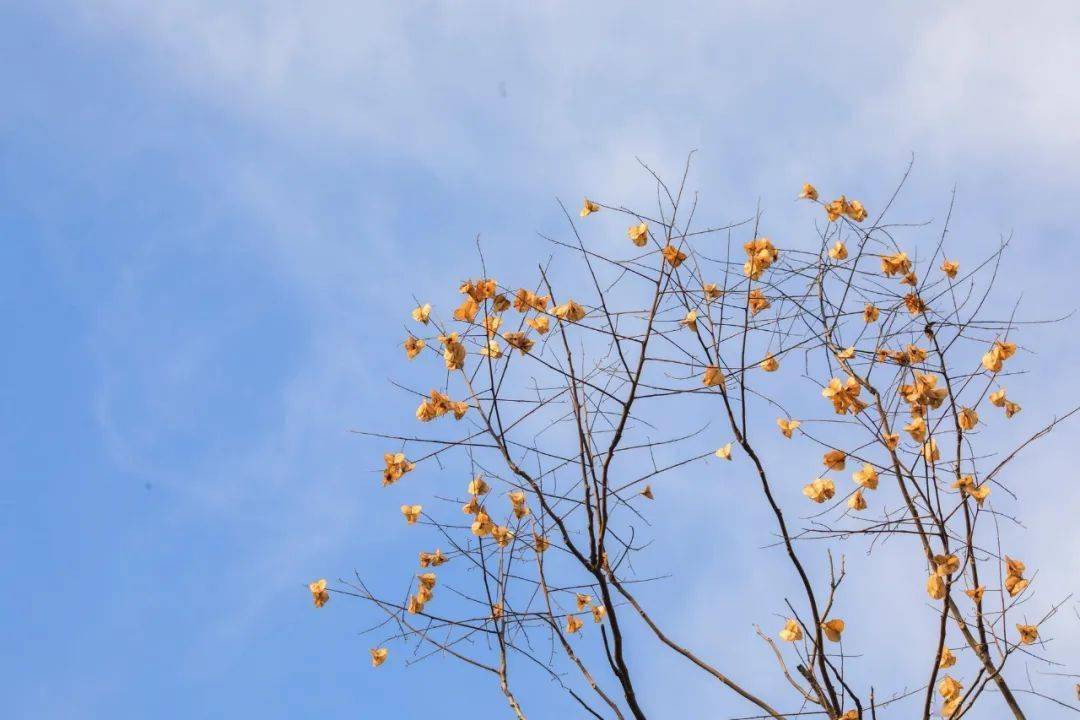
{"points": [[213, 216]]}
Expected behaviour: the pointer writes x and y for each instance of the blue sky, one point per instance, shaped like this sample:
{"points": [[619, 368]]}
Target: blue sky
{"points": [[214, 215]]}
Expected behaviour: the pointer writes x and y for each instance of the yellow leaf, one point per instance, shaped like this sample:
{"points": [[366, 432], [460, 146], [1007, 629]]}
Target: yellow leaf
{"points": [[673, 255], [833, 629], [478, 486], [639, 234], [712, 376], [867, 477], [319, 593], [820, 490], [792, 631], [1028, 633], [787, 426], [589, 207], [569, 311], [834, 459], [413, 346]]}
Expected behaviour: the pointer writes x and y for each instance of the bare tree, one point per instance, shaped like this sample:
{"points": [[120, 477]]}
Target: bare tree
{"points": [[558, 398]]}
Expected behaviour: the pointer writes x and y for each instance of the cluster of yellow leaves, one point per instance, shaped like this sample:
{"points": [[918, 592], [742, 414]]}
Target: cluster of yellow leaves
{"points": [[438, 405], [966, 484], [690, 321], [998, 353], [482, 524], [599, 612], [573, 624], [712, 291], [844, 395], [910, 355], [378, 656], [396, 466], [950, 268], [923, 393], [838, 251], [477, 292], [944, 567], [639, 234], [950, 689], [947, 659], [426, 584], [841, 206], [769, 364], [998, 399], [319, 594], [517, 501], [724, 453], [870, 313], [809, 192], [866, 479], [589, 207], [1014, 576], [760, 254], [525, 300], [453, 351]]}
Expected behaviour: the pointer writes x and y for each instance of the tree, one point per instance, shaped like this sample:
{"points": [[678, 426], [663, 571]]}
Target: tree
{"points": [[558, 398]]}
